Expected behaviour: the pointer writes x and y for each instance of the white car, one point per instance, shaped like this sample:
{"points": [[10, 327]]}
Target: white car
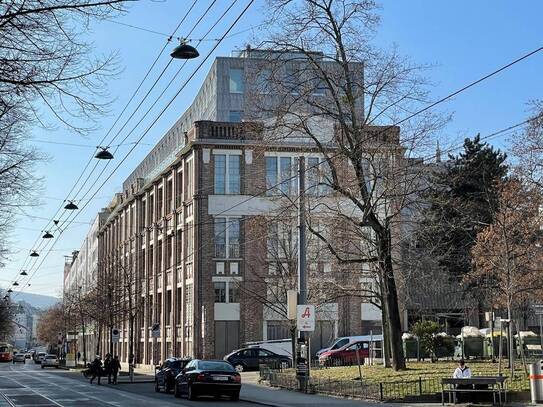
{"points": [[19, 357], [50, 361]]}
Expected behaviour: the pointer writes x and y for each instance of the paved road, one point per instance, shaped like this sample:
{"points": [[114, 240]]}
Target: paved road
{"points": [[29, 385]]}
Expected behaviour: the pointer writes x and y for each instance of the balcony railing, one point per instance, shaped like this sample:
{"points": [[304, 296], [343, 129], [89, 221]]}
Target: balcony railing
{"points": [[220, 250], [233, 250]]}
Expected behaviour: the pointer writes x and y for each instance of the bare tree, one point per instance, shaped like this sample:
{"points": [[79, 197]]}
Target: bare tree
{"points": [[337, 101], [508, 253], [47, 60], [528, 147], [7, 313]]}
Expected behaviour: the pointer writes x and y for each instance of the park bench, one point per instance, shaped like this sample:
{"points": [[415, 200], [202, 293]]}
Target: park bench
{"points": [[475, 384]]}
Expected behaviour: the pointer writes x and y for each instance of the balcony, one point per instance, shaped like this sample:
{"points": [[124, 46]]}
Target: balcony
{"points": [[220, 250], [233, 250]]}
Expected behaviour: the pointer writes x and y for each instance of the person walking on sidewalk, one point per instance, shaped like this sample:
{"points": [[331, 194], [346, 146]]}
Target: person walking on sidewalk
{"points": [[115, 367], [107, 367], [96, 369]]}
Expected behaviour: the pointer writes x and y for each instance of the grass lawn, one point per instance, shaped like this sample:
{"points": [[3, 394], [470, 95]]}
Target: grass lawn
{"points": [[415, 370]]}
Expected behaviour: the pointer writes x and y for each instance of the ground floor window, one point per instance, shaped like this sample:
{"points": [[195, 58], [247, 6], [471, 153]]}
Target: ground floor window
{"points": [[278, 330]]}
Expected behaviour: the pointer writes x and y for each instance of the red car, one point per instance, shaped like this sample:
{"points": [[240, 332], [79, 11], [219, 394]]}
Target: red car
{"points": [[346, 355]]}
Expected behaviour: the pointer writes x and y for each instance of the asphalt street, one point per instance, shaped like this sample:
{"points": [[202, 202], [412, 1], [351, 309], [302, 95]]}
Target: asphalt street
{"points": [[29, 385]]}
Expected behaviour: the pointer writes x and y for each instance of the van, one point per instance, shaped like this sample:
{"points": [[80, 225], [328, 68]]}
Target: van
{"points": [[344, 340]]}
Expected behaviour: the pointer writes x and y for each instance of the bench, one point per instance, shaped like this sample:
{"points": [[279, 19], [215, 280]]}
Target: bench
{"points": [[493, 384]]}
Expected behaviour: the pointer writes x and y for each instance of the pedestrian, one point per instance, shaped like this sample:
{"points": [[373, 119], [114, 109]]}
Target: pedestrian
{"points": [[78, 356], [107, 367], [96, 369], [115, 367]]}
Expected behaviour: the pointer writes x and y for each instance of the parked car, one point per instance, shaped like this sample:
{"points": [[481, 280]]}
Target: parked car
{"points": [[50, 361], [38, 357], [208, 378], [251, 358], [346, 355], [165, 373], [18, 358], [344, 340]]}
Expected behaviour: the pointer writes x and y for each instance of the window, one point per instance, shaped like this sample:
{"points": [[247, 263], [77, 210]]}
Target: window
{"points": [[179, 189], [278, 330], [281, 171], [319, 177], [233, 174], [237, 84], [227, 174], [292, 80], [227, 237], [235, 116], [159, 202], [233, 292], [263, 81], [220, 291], [220, 174], [264, 353]]}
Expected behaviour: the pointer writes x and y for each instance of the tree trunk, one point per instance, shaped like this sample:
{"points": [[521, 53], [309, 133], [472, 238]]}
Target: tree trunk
{"points": [[391, 301], [386, 342], [84, 343]]}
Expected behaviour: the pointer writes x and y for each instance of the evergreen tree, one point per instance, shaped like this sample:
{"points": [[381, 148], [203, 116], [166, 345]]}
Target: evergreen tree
{"points": [[461, 201]]}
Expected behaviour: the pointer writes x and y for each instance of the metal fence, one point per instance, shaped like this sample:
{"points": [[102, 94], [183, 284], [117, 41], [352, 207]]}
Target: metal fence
{"points": [[355, 388]]}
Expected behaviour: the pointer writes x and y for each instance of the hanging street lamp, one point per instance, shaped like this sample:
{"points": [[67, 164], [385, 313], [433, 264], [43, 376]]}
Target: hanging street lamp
{"points": [[103, 154], [34, 254], [184, 51], [47, 235], [71, 206]]}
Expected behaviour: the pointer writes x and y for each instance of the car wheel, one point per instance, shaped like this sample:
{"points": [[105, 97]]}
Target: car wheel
{"points": [[235, 396], [176, 391], [239, 367], [157, 387], [190, 393]]}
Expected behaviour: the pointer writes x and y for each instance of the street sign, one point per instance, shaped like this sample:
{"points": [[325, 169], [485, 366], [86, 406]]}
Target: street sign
{"points": [[538, 309], [155, 331], [115, 335], [305, 318]]}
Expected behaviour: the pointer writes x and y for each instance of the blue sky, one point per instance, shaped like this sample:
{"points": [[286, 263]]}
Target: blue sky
{"points": [[463, 40]]}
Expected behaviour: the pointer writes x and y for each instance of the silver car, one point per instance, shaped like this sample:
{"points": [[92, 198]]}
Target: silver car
{"points": [[19, 357], [50, 361]]}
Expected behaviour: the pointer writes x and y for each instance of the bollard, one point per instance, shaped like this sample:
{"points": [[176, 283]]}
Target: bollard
{"points": [[536, 383]]}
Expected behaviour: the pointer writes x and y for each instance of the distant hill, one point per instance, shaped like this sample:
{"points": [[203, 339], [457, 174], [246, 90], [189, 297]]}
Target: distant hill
{"points": [[37, 300]]}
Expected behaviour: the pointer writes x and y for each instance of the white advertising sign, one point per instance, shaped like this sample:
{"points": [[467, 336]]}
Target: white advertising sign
{"points": [[305, 318]]}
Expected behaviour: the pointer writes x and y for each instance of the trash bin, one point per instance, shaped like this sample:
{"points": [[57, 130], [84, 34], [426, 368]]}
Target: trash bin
{"points": [[445, 346], [410, 348], [536, 383], [473, 346]]}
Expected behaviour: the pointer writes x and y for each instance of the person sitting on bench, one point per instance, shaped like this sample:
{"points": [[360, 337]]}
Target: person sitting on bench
{"points": [[462, 372]]}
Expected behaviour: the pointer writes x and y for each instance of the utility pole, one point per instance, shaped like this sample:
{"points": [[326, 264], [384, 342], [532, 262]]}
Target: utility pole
{"points": [[303, 358]]}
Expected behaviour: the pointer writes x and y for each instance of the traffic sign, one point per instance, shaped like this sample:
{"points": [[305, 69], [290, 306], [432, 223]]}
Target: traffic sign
{"points": [[155, 331], [305, 318], [115, 335]]}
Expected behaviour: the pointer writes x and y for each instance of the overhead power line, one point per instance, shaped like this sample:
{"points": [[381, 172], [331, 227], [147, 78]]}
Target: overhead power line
{"points": [[191, 76]]}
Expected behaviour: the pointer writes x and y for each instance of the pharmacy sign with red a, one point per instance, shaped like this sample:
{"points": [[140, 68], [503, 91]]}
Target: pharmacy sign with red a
{"points": [[305, 318]]}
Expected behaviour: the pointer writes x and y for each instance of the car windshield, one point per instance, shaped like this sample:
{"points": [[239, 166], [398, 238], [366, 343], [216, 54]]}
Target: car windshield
{"points": [[178, 364], [222, 366]]}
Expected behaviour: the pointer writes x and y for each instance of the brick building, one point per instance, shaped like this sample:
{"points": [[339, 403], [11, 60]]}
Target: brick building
{"points": [[199, 244]]}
